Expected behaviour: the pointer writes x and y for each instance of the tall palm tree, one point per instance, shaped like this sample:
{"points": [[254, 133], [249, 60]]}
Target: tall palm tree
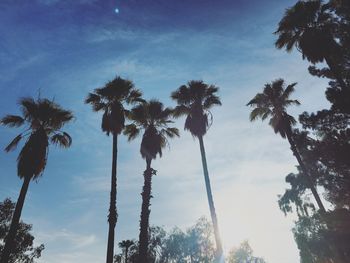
{"points": [[125, 245], [194, 101], [42, 120], [309, 27], [153, 119], [272, 102], [111, 100]]}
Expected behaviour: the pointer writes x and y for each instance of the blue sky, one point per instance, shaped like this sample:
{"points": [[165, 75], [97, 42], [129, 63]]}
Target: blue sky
{"points": [[63, 49]]}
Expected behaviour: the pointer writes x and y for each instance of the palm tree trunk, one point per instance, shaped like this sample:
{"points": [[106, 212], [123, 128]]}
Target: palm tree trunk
{"points": [[112, 217], [145, 212], [305, 171], [9, 243], [126, 254], [219, 251]]}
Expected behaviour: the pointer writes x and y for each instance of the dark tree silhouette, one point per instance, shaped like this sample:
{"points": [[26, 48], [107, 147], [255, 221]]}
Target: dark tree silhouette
{"points": [[23, 248], [153, 119], [272, 102], [125, 245], [43, 120], [309, 26], [111, 100], [194, 101]]}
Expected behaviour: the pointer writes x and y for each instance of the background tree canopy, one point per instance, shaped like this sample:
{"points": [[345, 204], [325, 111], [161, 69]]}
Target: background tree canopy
{"points": [[24, 249], [195, 245]]}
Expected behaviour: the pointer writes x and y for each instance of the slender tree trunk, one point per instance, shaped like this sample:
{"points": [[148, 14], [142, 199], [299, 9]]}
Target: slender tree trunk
{"points": [[9, 242], [112, 217], [145, 212], [126, 254], [305, 171], [219, 251]]}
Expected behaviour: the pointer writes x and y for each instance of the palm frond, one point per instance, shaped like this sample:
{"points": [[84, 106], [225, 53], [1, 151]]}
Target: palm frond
{"points": [[135, 96], [165, 115], [139, 114], [92, 98], [261, 112], [59, 117], [181, 110], [211, 90], [292, 102], [182, 95], [29, 108], [131, 131], [155, 109], [171, 132], [210, 101], [13, 144], [63, 140], [289, 90], [12, 121], [260, 99]]}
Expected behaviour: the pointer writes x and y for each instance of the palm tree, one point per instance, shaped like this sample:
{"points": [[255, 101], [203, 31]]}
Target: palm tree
{"points": [[111, 100], [43, 120], [272, 102], [308, 27], [125, 245], [153, 119], [194, 101]]}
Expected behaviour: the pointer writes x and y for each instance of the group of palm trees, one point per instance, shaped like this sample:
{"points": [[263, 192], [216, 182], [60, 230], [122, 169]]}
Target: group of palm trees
{"points": [[43, 120]]}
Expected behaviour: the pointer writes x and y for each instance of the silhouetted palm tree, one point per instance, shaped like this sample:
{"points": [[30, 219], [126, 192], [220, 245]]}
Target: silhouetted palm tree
{"points": [[308, 27], [153, 119], [272, 102], [111, 100], [194, 101], [125, 245], [43, 120]]}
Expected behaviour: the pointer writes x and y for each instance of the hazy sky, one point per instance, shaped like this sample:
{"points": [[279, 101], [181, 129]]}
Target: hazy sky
{"points": [[63, 49]]}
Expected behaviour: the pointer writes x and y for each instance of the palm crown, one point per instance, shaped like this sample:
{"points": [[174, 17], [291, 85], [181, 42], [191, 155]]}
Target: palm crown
{"points": [[153, 118], [272, 102], [110, 99], [194, 100], [43, 120]]}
